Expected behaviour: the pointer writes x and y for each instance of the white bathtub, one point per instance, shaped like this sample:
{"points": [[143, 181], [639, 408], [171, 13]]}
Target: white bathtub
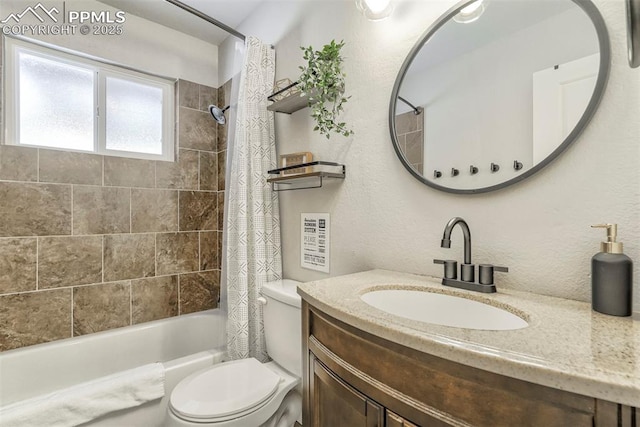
{"points": [[183, 344]]}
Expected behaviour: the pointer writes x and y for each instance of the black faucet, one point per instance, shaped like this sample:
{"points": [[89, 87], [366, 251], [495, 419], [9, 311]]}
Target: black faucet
{"points": [[467, 270]]}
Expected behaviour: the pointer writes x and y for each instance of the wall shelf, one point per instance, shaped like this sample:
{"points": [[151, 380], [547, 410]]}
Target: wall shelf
{"points": [[289, 104], [316, 173]]}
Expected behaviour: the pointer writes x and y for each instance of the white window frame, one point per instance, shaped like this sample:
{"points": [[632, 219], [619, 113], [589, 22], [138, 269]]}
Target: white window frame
{"points": [[102, 71]]}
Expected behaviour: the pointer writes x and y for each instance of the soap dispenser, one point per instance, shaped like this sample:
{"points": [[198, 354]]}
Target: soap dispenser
{"points": [[611, 276]]}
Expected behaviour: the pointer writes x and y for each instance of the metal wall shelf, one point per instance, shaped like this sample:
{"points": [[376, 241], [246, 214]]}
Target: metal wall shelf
{"points": [[318, 171], [289, 104]]}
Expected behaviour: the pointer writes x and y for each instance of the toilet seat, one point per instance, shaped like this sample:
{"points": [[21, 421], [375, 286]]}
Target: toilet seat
{"points": [[225, 391]]}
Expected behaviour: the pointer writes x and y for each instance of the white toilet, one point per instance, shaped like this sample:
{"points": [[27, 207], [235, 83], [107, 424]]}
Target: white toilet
{"points": [[247, 393]]}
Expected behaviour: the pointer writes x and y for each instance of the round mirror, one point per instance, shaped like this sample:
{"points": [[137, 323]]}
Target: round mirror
{"points": [[497, 89]]}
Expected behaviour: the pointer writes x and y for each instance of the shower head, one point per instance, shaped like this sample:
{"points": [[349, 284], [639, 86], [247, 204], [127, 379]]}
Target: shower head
{"points": [[218, 114]]}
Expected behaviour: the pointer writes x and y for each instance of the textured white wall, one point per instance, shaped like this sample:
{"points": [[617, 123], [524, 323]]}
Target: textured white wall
{"points": [[384, 218], [144, 45]]}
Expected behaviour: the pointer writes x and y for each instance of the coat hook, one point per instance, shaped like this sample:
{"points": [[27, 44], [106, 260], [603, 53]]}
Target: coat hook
{"points": [[455, 172], [495, 167], [517, 165], [473, 169], [437, 174]]}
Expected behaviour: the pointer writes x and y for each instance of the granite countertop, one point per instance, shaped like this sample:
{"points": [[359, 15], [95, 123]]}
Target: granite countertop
{"points": [[566, 345]]}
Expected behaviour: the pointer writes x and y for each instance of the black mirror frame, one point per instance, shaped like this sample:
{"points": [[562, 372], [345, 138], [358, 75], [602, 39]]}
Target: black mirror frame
{"points": [[603, 76]]}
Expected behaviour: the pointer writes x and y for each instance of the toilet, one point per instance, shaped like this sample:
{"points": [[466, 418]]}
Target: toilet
{"points": [[247, 393]]}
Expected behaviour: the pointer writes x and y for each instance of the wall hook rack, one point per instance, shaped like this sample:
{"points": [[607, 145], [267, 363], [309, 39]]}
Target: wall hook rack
{"points": [[455, 172], [473, 170], [495, 167], [517, 165], [437, 174]]}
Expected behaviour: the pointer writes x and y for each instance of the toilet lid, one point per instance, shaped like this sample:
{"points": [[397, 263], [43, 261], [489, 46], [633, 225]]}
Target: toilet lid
{"points": [[223, 390]]}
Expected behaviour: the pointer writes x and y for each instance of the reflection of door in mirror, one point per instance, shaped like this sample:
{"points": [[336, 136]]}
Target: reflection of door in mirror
{"points": [[560, 95], [410, 131]]}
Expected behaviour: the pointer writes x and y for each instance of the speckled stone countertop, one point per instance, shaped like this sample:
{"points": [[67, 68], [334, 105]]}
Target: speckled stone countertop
{"points": [[566, 345]]}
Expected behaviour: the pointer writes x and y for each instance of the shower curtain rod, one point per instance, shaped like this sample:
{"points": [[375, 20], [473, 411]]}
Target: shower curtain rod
{"points": [[416, 110], [207, 18]]}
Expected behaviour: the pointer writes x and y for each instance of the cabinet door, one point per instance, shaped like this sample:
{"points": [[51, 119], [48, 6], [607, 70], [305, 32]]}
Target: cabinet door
{"points": [[336, 404], [395, 420]]}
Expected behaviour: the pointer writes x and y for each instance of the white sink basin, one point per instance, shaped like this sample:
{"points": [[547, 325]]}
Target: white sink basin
{"points": [[440, 309]]}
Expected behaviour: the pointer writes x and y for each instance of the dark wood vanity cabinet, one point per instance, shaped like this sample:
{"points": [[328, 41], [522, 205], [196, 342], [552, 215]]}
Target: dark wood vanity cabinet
{"points": [[353, 379], [339, 404]]}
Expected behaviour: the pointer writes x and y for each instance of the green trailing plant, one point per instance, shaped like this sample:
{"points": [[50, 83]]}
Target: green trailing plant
{"points": [[323, 80]]}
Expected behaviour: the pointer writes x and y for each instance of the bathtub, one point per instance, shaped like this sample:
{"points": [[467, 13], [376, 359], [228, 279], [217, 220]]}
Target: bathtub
{"points": [[183, 344]]}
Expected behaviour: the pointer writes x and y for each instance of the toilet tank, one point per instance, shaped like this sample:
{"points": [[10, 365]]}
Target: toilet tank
{"points": [[282, 324]]}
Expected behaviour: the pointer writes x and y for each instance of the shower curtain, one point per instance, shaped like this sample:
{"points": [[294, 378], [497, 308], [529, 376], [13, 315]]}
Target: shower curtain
{"points": [[253, 252]]}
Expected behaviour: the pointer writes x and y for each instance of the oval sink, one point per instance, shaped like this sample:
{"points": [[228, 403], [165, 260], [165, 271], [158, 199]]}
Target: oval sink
{"points": [[445, 310]]}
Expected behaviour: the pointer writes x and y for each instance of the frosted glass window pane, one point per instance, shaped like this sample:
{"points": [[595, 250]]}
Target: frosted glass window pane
{"points": [[56, 104], [134, 117]]}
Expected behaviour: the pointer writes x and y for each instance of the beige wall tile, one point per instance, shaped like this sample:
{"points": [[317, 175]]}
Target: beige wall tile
{"points": [[188, 94], [222, 159], [101, 307], [209, 255], [208, 171], [101, 210], [224, 94], [177, 253], [129, 256], [154, 210], [406, 122], [69, 261], [17, 265], [199, 291], [198, 210], [414, 147], [154, 298], [18, 163], [123, 172], [197, 130], [35, 209], [209, 96], [34, 317], [224, 98], [221, 210], [181, 174], [66, 167]]}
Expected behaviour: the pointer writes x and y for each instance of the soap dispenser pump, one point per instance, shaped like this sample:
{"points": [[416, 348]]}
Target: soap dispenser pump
{"points": [[611, 276]]}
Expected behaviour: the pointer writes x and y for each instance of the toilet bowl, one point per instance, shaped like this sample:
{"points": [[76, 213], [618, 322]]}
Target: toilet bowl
{"points": [[247, 393]]}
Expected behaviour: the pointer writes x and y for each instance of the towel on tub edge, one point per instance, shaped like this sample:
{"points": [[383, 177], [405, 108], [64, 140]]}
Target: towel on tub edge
{"points": [[87, 401]]}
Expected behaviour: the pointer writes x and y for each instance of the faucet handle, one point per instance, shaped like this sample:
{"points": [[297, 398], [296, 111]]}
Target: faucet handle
{"points": [[486, 273], [450, 267]]}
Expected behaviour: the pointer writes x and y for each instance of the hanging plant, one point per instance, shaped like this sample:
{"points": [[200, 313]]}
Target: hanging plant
{"points": [[323, 80]]}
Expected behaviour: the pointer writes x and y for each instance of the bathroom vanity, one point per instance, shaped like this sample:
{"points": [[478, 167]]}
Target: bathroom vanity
{"points": [[365, 367]]}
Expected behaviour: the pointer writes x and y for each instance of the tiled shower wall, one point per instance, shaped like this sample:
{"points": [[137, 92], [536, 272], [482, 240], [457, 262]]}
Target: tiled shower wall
{"points": [[409, 128], [90, 242]]}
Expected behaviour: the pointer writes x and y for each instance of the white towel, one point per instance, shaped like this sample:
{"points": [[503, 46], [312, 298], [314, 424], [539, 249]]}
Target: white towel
{"points": [[87, 401]]}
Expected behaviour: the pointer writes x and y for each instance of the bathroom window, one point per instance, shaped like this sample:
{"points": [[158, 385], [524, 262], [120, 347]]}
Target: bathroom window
{"points": [[64, 101]]}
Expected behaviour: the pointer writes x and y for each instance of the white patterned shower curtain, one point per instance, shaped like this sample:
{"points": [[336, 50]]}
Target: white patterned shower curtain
{"points": [[253, 252]]}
